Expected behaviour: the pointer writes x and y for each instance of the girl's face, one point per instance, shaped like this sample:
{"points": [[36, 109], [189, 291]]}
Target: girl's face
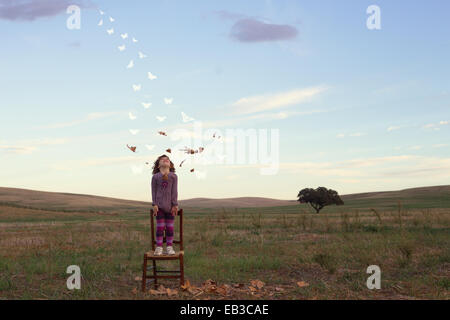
{"points": [[164, 162]]}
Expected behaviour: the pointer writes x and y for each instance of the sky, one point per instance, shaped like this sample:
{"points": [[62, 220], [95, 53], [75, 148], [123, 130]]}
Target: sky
{"points": [[324, 99]]}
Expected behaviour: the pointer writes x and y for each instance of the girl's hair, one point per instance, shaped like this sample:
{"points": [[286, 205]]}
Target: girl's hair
{"points": [[156, 164]]}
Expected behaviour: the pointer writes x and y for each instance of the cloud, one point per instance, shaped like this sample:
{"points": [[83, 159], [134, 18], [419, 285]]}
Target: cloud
{"points": [[107, 161], [275, 101], [355, 134], [368, 169], [30, 10], [252, 30], [29, 146], [90, 117], [392, 128]]}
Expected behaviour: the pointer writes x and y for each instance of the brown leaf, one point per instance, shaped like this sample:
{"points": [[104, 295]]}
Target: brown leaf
{"points": [[186, 285], [252, 289], [302, 284], [131, 148], [279, 289], [171, 292], [155, 292], [169, 150], [257, 283], [192, 170], [162, 133], [238, 285]]}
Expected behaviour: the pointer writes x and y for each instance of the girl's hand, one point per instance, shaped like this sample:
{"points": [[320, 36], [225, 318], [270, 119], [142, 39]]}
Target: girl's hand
{"points": [[155, 210], [174, 210]]}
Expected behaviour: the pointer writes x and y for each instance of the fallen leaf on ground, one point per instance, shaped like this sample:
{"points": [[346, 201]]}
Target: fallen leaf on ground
{"points": [[302, 284], [257, 283], [171, 292]]}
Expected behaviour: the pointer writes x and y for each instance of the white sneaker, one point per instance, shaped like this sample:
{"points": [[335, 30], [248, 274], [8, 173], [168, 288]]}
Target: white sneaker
{"points": [[158, 251], [169, 250]]}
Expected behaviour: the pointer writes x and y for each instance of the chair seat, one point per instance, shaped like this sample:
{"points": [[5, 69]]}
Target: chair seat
{"points": [[151, 255]]}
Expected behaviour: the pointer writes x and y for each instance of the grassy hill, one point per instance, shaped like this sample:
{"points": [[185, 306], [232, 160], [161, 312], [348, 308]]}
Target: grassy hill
{"points": [[424, 197]]}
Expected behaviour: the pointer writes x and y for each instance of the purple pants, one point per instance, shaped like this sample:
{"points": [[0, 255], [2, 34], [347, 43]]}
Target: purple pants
{"points": [[164, 220]]}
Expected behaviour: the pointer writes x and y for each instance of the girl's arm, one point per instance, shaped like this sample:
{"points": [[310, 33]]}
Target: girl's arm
{"points": [[153, 189], [174, 193]]}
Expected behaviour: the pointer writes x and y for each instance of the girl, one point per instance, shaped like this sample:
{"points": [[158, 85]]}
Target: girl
{"points": [[165, 201]]}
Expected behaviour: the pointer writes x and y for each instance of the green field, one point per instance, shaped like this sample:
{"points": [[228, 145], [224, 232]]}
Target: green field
{"points": [[330, 251]]}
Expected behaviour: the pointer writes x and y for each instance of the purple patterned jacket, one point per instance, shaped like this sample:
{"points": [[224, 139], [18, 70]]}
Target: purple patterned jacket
{"points": [[165, 192]]}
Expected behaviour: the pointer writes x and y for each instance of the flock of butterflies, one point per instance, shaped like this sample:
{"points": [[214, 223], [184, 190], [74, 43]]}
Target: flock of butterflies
{"points": [[147, 105]]}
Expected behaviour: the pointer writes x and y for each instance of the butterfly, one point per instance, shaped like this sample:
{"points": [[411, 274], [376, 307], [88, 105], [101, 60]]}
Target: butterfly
{"points": [[162, 133], [134, 131], [100, 23], [134, 40], [169, 150], [130, 65], [132, 116], [186, 118], [124, 35], [110, 31], [200, 175], [151, 76], [150, 147], [141, 55], [182, 162], [161, 119], [168, 100], [192, 170], [131, 148], [121, 48], [137, 169], [146, 105], [136, 87], [188, 150], [111, 19]]}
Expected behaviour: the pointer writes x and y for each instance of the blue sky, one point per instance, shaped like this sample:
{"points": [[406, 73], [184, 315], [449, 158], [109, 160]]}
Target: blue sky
{"points": [[357, 110]]}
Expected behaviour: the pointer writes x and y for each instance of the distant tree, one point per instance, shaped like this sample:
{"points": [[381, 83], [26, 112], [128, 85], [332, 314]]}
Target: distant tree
{"points": [[319, 198]]}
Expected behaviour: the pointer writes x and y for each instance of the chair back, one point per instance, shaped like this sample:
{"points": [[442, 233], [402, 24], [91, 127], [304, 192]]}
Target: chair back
{"points": [[152, 224]]}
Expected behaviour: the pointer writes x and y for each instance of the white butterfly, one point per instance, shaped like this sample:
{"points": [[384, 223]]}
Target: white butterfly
{"points": [[146, 105], [221, 156], [136, 87], [134, 131], [168, 100], [134, 40], [150, 147], [110, 31], [151, 76], [201, 175], [100, 23], [141, 55], [101, 12], [161, 119], [137, 169], [111, 19], [186, 118], [121, 48], [132, 116], [130, 65], [124, 35]]}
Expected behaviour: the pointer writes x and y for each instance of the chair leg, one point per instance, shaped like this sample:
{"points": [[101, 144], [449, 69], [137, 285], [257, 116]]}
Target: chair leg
{"points": [[144, 273], [181, 270], [154, 273]]}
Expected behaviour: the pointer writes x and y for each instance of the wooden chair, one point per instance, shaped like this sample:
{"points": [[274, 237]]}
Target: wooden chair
{"points": [[173, 274]]}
